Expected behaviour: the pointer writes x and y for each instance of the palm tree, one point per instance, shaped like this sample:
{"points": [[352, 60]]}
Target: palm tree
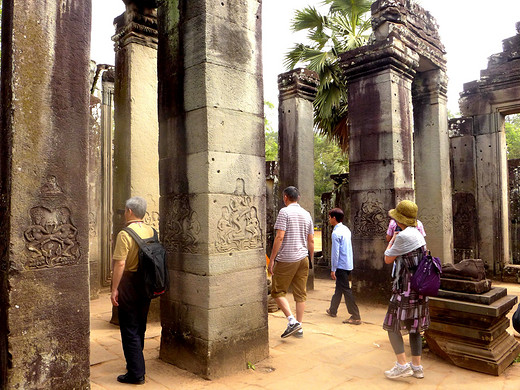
{"points": [[346, 27]]}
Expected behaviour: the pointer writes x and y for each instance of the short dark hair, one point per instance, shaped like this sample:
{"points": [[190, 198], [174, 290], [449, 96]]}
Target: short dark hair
{"points": [[292, 193], [337, 213]]}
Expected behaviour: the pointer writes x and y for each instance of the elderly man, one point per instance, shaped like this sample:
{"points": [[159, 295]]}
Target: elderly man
{"points": [[293, 244], [128, 291]]}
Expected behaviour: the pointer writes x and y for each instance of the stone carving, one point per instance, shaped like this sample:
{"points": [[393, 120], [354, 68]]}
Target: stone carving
{"points": [[52, 238], [92, 225], [464, 220], [371, 219], [51, 187], [152, 219], [239, 227], [182, 227]]}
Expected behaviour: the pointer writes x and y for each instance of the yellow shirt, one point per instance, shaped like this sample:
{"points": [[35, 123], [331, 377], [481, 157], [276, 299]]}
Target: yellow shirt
{"points": [[127, 249]]}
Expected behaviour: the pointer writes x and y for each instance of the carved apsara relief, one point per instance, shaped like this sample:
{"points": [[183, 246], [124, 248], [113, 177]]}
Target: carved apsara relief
{"points": [[239, 227], [371, 219], [152, 219], [182, 228], [52, 239]]}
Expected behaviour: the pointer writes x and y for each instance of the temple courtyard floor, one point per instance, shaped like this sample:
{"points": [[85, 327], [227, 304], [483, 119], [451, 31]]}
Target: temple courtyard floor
{"points": [[331, 355]]}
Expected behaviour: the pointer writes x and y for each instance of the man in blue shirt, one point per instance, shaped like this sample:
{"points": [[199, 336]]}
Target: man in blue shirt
{"points": [[342, 263]]}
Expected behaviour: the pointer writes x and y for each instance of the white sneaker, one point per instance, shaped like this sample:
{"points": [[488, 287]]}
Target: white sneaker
{"points": [[417, 371], [399, 371]]}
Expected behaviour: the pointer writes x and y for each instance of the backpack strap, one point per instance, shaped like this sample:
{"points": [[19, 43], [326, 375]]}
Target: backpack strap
{"points": [[135, 236], [138, 239]]}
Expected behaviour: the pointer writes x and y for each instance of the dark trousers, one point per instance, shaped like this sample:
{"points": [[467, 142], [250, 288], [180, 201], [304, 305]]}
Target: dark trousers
{"points": [[343, 289], [133, 313]]}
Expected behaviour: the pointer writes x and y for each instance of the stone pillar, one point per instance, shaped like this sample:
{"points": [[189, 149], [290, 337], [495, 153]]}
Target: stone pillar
{"points": [[464, 179], [212, 175], [297, 90], [432, 161], [107, 126], [380, 153], [271, 209], [492, 192], [136, 136], [44, 276], [94, 182]]}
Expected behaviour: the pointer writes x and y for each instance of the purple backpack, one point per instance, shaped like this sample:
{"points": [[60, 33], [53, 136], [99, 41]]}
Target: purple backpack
{"points": [[427, 277]]}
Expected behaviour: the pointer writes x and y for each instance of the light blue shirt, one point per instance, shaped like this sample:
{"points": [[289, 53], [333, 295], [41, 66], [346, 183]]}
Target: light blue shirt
{"points": [[341, 253]]}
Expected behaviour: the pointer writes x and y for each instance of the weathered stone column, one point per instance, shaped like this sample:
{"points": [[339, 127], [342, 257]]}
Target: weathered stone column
{"points": [[107, 124], [44, 278], [212, 173], [432, 161], [297, 90], [380, 154], [464, 180], [136, 156]]}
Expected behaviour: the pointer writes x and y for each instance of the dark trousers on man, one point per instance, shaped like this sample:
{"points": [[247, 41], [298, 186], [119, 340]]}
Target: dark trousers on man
{"points": [[343, 289], [133, 313]]}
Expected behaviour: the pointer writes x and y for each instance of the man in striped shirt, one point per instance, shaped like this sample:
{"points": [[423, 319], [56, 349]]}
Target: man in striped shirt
{"points": [[292, 247]]}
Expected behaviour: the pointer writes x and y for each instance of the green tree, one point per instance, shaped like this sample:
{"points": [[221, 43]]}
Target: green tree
{"points": [[271, 136], [328, 160], [346, 26], [512, 127]]}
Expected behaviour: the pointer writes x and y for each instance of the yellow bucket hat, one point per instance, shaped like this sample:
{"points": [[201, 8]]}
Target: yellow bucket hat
{"points": [[405, 213]]}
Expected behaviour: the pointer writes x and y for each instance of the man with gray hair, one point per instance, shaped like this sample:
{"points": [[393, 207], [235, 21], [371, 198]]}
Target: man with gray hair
{"points": [[128, 292]]}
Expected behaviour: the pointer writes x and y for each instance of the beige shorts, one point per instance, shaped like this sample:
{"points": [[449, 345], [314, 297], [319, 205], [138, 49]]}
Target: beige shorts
{"points": [[291, 274]]}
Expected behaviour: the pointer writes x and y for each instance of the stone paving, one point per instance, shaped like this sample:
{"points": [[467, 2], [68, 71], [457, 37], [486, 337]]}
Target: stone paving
{"points": [[331, 355]]}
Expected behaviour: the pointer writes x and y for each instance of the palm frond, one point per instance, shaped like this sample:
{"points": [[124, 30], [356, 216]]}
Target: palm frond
{"points": [[308, 18], [295, 55]]}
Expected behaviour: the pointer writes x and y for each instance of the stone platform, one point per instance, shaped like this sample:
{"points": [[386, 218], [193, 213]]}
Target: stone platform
{"points": [[469, 330]]}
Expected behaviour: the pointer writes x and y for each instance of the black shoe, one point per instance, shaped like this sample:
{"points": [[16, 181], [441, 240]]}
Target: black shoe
{"points": [[299, 334], [127, 378], [291, 329], [329, 313]]}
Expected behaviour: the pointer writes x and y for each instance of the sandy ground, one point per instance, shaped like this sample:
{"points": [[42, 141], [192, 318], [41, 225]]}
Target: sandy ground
{"points": [[331, 355]]}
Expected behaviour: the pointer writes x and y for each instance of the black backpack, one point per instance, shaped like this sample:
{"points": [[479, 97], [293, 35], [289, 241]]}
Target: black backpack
{"points": [[152, 264]]}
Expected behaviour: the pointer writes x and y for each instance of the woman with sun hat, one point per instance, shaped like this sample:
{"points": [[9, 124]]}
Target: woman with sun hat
{"points": [[407, 309]]}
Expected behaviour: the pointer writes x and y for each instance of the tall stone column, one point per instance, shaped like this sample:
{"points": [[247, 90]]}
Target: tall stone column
{"points": [[297, 90], [44, 275], [492, 191], [212, 174], [432, 161], [136, 137], [380, 153]]}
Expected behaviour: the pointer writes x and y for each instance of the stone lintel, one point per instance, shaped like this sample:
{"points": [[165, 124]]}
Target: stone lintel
{"points": [[410, 14], [411, 24], [136, 27], [302, 83], [391, 54]]}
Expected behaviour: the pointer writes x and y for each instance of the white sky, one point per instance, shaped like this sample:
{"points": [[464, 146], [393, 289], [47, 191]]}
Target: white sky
{"points": [[471, 30]]}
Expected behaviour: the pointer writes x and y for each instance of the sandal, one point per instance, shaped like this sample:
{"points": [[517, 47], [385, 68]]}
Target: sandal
{"points": [[352, 321]]}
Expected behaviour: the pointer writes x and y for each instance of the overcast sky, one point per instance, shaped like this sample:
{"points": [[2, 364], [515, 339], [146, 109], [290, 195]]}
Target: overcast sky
{"points": [[471, 30]]}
